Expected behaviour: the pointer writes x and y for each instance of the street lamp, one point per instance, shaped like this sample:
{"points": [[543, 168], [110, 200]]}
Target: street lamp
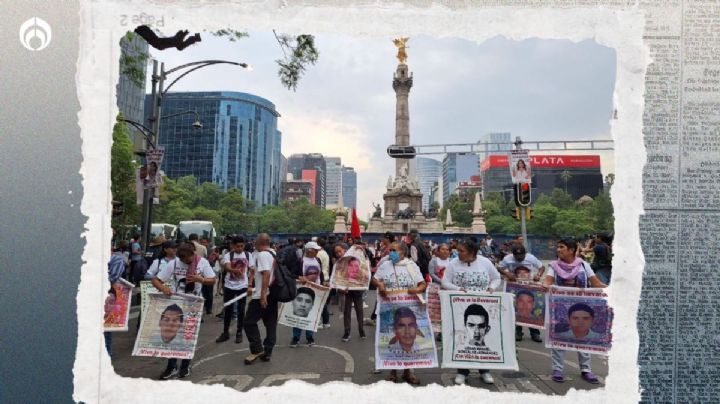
{"points": [[159, 75]]}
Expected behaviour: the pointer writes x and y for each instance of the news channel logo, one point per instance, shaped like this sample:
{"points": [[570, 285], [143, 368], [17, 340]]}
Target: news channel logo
{"points": [[35, 34]]}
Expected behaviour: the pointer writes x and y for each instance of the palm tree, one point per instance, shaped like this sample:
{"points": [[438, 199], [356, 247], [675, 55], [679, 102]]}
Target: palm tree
{"points": [[565, 176]]}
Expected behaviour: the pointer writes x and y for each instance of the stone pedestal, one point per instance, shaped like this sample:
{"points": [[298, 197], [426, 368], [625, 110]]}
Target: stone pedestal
{"points": [[340, 225], [478, 225]]}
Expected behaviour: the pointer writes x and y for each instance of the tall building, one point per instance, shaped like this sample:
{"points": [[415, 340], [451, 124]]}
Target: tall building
{"points": [[427, 171], [297, 163], [283, 167], [296, 189], [238, 146], [457, 167], [487, 148], [333, 181], [349, 187], [547, 174], [131, 94]]}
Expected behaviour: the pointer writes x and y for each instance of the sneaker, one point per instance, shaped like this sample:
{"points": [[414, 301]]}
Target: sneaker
{"points": [[536, 337], [326, 325], [365, 306], [168, 374], [487, 378], [223, 337], [184, 372], [346, 337], [368, 321], [460, 379], [590, 377], [238, 338], [557, 376], [310, 342], [250, 359], [362, 334], [294, 343]]}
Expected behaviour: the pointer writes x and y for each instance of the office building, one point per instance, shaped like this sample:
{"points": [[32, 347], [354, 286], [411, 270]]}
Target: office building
{"points": [[488, 148], [457, 167], [294, 190], [301, 165], [349, 187], [238, 146], [131, 93], [427, 172], [333, 182], [546, 174]]}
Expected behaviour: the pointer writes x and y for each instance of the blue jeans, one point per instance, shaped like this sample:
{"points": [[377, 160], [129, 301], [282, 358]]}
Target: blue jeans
{"points": [[108, 342], [326, 313], [309, 335]]}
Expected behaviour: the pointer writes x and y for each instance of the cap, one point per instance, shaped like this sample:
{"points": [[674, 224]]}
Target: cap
{"points": [[311, 245], [518, 250], [169, 244]]}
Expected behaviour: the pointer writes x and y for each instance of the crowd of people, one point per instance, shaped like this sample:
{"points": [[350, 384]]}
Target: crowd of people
{"points": [[245, 268]]}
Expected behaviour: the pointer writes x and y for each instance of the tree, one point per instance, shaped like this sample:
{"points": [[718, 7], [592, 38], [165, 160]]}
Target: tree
{"points": [[461, 211], [122, 175], [565, 176]]}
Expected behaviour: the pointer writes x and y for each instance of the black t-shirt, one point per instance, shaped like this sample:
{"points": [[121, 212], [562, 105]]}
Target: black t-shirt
{"points": [[602, 257]]}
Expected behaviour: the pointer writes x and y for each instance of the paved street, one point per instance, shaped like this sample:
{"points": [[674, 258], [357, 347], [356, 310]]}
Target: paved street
{"points": [[331, 359]]}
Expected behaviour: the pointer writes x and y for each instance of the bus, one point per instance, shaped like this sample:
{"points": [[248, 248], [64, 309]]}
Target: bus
{"points": [[203, 228], [166, 229]]}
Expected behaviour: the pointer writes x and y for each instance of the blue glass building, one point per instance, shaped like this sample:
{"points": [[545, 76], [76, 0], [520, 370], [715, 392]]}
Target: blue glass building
{"points": [[458, 167], [238, 146]]}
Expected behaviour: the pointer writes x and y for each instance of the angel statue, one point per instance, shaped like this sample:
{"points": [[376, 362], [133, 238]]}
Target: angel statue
{"points": [[400, 43]]}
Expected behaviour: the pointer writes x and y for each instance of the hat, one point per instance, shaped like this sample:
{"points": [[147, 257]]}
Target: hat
{"points": [[169, 244], [158, 240], [518, 250], [311, 245]]}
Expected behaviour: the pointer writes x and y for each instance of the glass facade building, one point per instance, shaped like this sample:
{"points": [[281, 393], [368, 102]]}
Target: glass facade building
{"points": [[238, 146], [130, 95], [458, 167], [349, 187], [333, 181], [427, 171]]}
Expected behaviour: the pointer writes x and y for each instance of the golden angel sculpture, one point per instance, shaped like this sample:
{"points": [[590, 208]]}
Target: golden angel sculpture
{"points": [[400, 43]]}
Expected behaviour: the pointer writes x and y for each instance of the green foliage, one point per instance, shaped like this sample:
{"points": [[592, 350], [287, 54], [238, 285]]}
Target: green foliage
{"points": [[553, 215], [133, 64], [122, 175], [231, 34], [461, 211], [298, 53]]}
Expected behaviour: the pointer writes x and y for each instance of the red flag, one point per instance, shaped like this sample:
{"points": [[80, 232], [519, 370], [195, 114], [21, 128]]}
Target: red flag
{"points": [[355, 226]]}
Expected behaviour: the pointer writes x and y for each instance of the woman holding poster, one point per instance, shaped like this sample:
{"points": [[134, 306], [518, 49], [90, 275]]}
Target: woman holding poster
{"points": [[472, 272], [399, 273], [571, 271]]}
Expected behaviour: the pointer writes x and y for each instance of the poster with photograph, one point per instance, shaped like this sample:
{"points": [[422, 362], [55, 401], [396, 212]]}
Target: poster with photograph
{"points": [[145, 288], [529, 300], [478, 330], [117, 306], [433, 304], [578, 320], [351, 272], [153, 159], [170, 326], [403, 334], [520, 166], [305, 311]]}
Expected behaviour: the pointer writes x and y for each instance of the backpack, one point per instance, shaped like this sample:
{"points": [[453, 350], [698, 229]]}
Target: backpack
{"points": [[283, 287]]}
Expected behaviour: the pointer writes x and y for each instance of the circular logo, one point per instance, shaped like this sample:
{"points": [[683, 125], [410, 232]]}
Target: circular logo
{"points": [[35, 34]]}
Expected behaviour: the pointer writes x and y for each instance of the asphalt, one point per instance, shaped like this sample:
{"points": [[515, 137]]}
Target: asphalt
{"points": [[331, 359]]}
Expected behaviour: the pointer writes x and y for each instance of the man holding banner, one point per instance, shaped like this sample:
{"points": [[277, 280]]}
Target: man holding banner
{"points": [[570, 271], [236, 265], [400, 286]]}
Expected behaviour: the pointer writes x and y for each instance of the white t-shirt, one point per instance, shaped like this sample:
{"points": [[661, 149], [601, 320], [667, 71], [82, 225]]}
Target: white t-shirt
{"points": [[176, 272], [157, 266], [403, 275], [530, 261], [311, 269], [239, 260], [264, 261], [478, 276]]}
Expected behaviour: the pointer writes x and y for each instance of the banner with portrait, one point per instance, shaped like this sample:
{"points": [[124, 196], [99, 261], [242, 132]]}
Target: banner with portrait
{"points": [[433, 304], [520, 166], [478, 330], [529, 303], [117, 306], [145, 288], [305, 311], [351, 272], [403, 334], [578, 319], [153, 159], [170, 326]]}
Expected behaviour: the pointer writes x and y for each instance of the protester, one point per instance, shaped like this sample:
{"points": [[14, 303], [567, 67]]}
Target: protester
{"points": [[236, 265], [439, 263], [311, 273], [602, 258], [399, 273], [200, 249], [138, 266], [325, 262], [419, 252], [187, 274], [262, 306], [167, 257], [571, 271], [154, 249], [116, 267], [470, 272], [520, 258], [351, 298]]}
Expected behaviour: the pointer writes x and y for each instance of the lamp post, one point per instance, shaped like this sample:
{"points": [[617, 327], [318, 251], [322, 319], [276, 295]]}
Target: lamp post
{"points": [[159, 75]]}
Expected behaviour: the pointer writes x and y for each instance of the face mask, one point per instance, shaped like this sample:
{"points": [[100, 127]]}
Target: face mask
{"points": [[394, 257]]}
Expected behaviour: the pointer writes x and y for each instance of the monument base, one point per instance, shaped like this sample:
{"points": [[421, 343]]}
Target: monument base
{"points": [[402, 226]]}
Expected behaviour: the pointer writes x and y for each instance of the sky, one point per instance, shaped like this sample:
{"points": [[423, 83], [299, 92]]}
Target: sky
{"points": [[344, 105]]}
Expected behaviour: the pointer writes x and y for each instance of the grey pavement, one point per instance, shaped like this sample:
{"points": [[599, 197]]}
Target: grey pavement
{"points": [[331, 359]]}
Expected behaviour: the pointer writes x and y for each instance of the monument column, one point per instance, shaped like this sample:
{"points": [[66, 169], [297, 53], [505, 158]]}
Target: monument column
{"points": [[402, 82]]}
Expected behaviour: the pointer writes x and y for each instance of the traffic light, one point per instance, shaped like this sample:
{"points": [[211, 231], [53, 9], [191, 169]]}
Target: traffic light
{"points": [[522, 194], [528, 212], [517, 213]]}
